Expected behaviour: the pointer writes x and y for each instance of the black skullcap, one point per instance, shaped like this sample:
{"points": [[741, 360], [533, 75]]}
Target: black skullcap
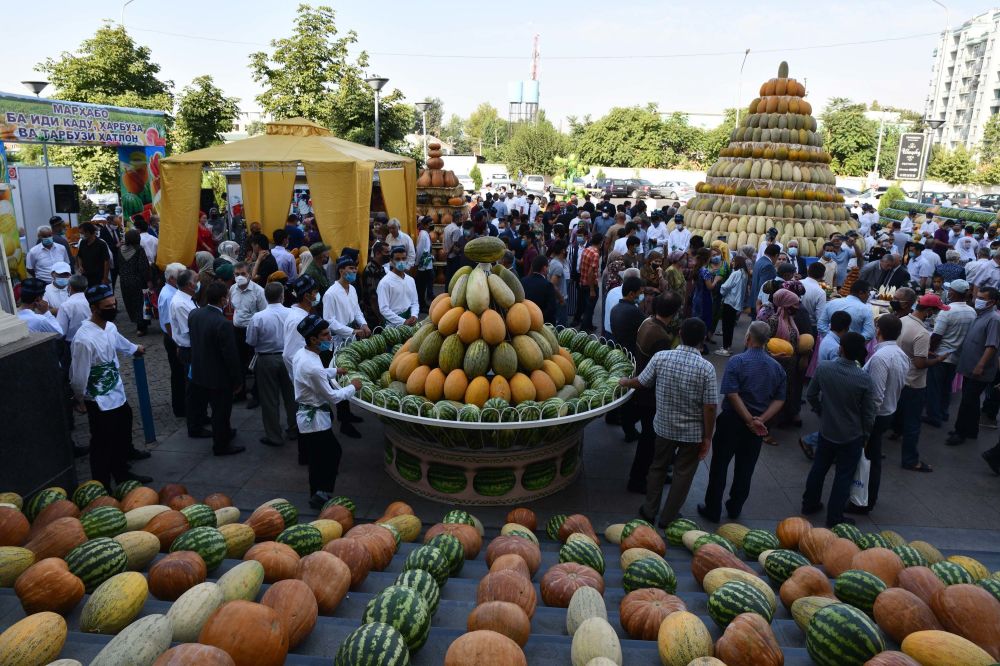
{"points": [[302, 285], [98, 293], [311, 325], [31, 288]]}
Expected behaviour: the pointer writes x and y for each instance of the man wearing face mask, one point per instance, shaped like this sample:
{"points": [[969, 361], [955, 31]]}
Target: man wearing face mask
{"points": [[98, 390], [656, 235], [181, 306], [247, 299], [266, 334], [57, 292], [215, 365], [796, 259], [317, 267], [977, 363], [397, 292], [369, 280], [679, 238], [771, 238], [45, 254], [34, 310]]}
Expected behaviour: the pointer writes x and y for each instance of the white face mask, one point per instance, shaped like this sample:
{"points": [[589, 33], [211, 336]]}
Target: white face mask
{"points": [[242, 281]]}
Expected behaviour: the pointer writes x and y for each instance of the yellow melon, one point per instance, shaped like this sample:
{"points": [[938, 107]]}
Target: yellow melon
{"points": [[537, 318], [448, 323], [417, 379], [566, 365], [545, 388], [519, 318], [521, 388], [500, 388], [555, 373], [455, 385], [440, 297], [566, 355], [492, 327], [406, 365], [404, 348], [478, 391], [434, 385], [779, 347], [439, 310], [468, 327], [806, 343]]}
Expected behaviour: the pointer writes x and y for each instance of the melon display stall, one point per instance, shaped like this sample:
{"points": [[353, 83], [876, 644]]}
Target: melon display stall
{"points": [[773, 174], [482, 402], [440, 197]]}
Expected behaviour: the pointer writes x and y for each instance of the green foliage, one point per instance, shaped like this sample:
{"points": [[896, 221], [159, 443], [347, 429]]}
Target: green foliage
{"points": [[566, 169], [533, 148], [435, 117], [215, 181], [894, 193], [204, 113], [954, 167], [477, 176], [600, 174], [625, 137], [990, 150], [255, 128], [487, 132], [577, 128], [849, 137], [714, 140], [453, 132]]}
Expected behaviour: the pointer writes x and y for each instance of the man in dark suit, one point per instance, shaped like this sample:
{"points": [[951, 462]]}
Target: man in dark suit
{"points": [[215, 365], [886, 272], [539, 290], [763, 272]]}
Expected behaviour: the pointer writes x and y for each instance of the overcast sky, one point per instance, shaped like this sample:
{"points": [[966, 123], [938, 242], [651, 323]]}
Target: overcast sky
{"points": [[479, 47]]}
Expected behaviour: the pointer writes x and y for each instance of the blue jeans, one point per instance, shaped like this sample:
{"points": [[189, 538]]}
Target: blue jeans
{"points": [[811, 440], [843, 455], [561, 314], [939, 380], [907, 422]]}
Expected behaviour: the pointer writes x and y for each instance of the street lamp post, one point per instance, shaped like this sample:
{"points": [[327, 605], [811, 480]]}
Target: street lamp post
{"points": [[36, 87], [422, 108], [933, 124], [739, 87], [376, 83]]}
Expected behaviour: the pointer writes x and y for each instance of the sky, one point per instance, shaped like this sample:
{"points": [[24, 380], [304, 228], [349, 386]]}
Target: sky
{"points": [[594, 55]]}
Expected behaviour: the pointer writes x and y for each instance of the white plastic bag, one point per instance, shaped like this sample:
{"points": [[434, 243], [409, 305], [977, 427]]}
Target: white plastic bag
{"points": [[859, 486]]}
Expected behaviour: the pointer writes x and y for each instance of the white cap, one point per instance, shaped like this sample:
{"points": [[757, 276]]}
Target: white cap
{"points": [[61, 267], [99, 218]]}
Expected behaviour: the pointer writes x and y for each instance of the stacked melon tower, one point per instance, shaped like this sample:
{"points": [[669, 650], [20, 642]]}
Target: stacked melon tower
{"points": [[484, 346], [774, 173]]}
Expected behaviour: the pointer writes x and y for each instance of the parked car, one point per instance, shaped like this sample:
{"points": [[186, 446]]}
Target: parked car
{"points": [[872, 196], [639, 188], [675, 190], [848, 192], [932, 197], [466, 182], [990, 201], [616, 187], [559, 190], [497, 180], [962, 199], [534, 184]]}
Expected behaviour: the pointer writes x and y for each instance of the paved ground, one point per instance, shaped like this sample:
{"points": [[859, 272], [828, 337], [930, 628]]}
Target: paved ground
{"points": [[961, 493]]}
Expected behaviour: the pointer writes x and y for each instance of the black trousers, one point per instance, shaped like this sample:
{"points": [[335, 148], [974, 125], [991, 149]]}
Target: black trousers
{"points": [[246, 353], [873, 452], [645, 446], [194, 396], [221, 401], [729, 319], [628, 415], [967, 421], [110, 441], [732, 440], [425, 288], [324, 454], [177, 377], [584, 315]]}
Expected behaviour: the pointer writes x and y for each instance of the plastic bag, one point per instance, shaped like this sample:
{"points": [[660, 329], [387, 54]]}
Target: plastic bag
{"points": [[859, 486]]}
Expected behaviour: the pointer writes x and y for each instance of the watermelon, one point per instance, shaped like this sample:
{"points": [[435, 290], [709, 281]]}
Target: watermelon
{"points": [[343, 501], [87, 492], [445, 411], [431, 560], [780, 564], [42, 499], [634, 523], [424, 583], [374, 644], [403, 608], [570, 461], [911, 556], [394, 531], [579, 340], [539, 475], [841, 635], [734, 598], [873, 540], [288, 512], [469, 414], [96, 560], [446, 478], [583, 552], [206, 541], [757, 541], [716, 539], [847, 531], [408, 465], [458, 516], [676, 529], [650, 572], [494, 482], [858, 588], [553, 408], [104, 521], [303, 539], [991, 585], [951, 573], [529, 410], [452, 548], [201, 515], [124, 488], [553, 525]]}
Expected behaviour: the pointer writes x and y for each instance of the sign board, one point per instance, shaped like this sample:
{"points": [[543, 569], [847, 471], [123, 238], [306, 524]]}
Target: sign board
{"points": [[25, 119], [910, 159]]}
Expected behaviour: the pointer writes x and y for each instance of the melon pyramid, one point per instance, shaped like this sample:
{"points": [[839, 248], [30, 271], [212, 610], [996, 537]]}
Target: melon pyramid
{"points": [[774, 173]]}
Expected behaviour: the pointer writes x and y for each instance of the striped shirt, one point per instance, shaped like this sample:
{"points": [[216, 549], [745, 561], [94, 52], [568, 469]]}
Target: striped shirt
{"points": [[685, 382]]}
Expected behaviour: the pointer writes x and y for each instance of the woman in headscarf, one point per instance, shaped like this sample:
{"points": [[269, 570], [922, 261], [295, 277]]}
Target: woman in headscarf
{"points": [[135, 275], [613, 271], [673, 278], [786, 321], [652, 278], [305, 258], [205, 265], [229, 250], [705, 282], [720, 266], [733, 293]]}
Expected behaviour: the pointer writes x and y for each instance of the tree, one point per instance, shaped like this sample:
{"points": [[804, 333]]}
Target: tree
{"points": [[681, 142], [354, 115], [453, 132], [204, 113], [990, 150], [893, 194], [486, 132], [577, 128], [714, 140], [477, 176], [624, 137], [533, 148], [109, 68], [849, 137], [255, 128], [954, 167], [435, 117]]}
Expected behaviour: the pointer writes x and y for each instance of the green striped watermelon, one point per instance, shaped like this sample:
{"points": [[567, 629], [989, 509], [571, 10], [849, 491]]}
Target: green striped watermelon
{"points": [[734, 598], [431, 560], [87, 492], [841, 635], [458, 516], [375, 644], [452, 549], [446, 478], [424, 583], [873, 540], [676, 529], [343, 501], [634, 523], [469, 414], [716, 539], [539, 475], [303, 539], [403, 608], [288, 512], [847, 531], [42, 499], [911, 556], [570, 461], [565, 337], [103, 521], [408, 467], [201, 515], [991, 585], [858, 588], [553, 525], [206, 541], [780, 564], [96, 560], [583, 552], [757, 541], [951, 573], [124, 488], [649, 572], [494, 482]]}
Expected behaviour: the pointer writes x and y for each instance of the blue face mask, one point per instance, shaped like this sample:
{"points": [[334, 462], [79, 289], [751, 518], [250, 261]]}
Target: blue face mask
{"points": [[316, 299], [61, 282], [47, 242], [641, 298], [828, 255], [351, 277], [793, 251], [524, 243], [197, 288], [325, 345], [400, 265]]}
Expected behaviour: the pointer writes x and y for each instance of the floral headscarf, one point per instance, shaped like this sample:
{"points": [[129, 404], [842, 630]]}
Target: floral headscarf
{"points": [[784, 300]]}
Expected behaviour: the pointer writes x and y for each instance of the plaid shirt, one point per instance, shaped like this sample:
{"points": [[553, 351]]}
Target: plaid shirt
{"points": [[590, 264], [685, 383]]}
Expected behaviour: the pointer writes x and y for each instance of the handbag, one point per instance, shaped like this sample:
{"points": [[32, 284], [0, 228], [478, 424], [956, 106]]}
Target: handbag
{"points": [[147, 305], [859, 486]]}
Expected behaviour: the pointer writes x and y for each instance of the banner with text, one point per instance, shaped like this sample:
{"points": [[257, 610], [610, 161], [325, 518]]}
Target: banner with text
{"points": [[12, 249], [139, 176], [26, 119]]}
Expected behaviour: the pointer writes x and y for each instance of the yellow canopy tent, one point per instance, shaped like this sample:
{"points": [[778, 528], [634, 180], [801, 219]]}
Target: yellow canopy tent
{"points": [[340, 183]]}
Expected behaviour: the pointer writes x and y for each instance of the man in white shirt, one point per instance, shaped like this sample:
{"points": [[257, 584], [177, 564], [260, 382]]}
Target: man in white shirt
{"points": [[530, 209], [500, 206], [181, 306], [815, 297], [284, 258], [656, 235], [57, 291], [306, 298], [614, 297], [679, 238], [621, 244], [770, 238], [519, 202], [147, 241], [266, 335], [246, 298], [98, 390], [950, 329], [75, 310], [45, 254], [584, 217], [946, 202], [397, 292], [966, 245], [906, 224], [929, 226], [342, 310], [34, 311], [178, 372], [396, 237], [973, 268], [856, 209]]}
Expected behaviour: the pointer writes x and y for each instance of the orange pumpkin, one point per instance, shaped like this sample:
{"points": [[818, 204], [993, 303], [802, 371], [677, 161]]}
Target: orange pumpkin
{"points": [[484, 647], [513, 562], [879, 561], [14, 527], [378, 540], [563, 579], [472, 543], [971, 612], [456, 201], [523, 516], [295, 605], [54, 511], [892, 658], [175, 574], [435, 163], [278, 559], [327, 576], [57, 538], [577, 523], [642, 611], [141, 496], [170, 491], [266, 522], [103, 500], [252, 634], [507, 544], [712, 556], [398, 509], [838, 556], [749, 641], [339, 513], [791, 530], [48, 585], [899, 613], [217, 501], [502, 617], [805, 582], [644, 537], [194, 654], [921, 581], [507, 585], [166, 527], [814, 542], [354, 554]]}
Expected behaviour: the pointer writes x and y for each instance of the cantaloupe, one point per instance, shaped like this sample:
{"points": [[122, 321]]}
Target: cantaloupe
{"points": [[779, 347], [438, 311], [569, 357], [449, 322], [806, 343], [521, 388], [415, 383], [545, 388], [434, 385], [492, 327], [468, 327], [455, 385], [566, 365], [500, 388], [407, 364], [554, 372], [537, 318], [478, 391], [519, 318]]}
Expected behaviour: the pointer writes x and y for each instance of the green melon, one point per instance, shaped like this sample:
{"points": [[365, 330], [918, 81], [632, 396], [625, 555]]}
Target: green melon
{"points": [[569, 463], [452, 549], [458, 516], [494, 482], [424, 583], [124, 488], [303, 539], [858, 588], [716, 539], [103, 521], [431, 560], [553, 525], [446, 478], [539, 475], [42, 499], [734, 598], [288, 512], [757, 541], [676, 529], [96, 560], [650, 572], [201, 515], [634, 523], [951, 573], [911, 556], [208, 542], [847, 531], [583, 552], [374, 644], [403, 608], [87, 492], [841, 635], [781, 564], [343, 501], [408, 466]]}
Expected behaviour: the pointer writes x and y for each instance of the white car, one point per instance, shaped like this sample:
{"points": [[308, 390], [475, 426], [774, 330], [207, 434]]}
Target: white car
{"points": [[495, 181], [872, 196], [534, 185], [673, 190], [466, 182]]}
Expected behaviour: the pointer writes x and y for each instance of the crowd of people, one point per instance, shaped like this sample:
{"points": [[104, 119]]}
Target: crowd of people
{"points": [[256, 318]]}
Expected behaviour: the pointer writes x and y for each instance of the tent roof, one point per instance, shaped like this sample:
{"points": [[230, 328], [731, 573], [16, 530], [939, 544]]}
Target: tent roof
{"points": [[292, 140]]}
